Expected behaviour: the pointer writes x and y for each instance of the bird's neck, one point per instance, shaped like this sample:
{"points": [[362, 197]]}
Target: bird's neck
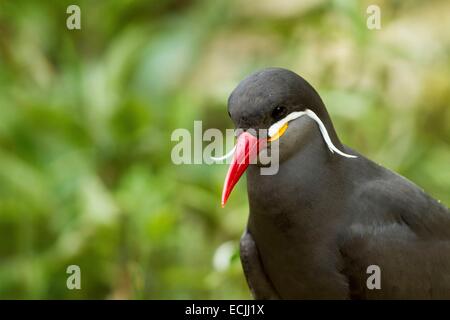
{"points": [[305, 184]]}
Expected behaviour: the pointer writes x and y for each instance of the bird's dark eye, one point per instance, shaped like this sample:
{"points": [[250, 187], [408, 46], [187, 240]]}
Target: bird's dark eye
{"points": [[279, 112]]}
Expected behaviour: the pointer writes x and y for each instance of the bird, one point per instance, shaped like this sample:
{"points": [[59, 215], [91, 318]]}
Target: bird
{"points": [[329, 215]]}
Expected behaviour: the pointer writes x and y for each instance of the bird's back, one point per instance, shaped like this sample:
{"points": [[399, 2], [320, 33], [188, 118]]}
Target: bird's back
{"points": [[401, 230]]}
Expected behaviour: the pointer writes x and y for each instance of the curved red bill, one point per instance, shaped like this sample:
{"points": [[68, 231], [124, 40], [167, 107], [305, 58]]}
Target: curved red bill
{"points": [[247, 149]]}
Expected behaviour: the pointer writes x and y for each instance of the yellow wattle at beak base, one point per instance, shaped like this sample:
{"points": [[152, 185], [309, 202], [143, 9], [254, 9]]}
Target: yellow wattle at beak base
{"points": [[279, 133]]}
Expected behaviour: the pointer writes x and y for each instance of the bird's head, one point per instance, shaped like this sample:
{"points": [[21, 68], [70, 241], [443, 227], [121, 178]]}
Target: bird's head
{"points": [[268, 107]]}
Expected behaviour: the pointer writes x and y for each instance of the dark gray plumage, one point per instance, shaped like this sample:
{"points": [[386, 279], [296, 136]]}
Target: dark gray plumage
{"points": [[316, 225]]}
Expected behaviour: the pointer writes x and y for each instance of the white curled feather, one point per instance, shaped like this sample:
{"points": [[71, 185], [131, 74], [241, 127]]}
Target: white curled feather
{"points": [[323, 130], [292, 116], [278, 125], [229, 154]]}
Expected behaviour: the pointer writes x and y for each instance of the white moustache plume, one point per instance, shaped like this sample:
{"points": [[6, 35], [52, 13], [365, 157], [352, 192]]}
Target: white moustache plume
{"points": [[273, 130], [323, 130], [229, 154]]}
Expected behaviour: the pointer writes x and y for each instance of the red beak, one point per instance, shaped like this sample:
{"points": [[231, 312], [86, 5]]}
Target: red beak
{"points": [[247, 149]]}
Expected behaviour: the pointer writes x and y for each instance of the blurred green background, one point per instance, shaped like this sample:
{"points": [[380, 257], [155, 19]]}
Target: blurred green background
{"points": [[86, 118]]}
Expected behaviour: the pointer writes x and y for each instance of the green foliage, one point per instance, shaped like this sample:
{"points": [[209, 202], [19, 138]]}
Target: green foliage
{"points": [[86, 118]]}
